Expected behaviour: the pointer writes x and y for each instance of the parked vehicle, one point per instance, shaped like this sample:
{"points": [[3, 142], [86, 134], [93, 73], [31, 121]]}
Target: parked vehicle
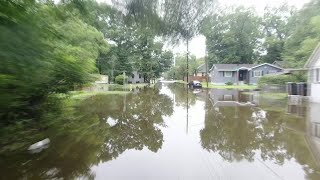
{"points": [[195, 84]]}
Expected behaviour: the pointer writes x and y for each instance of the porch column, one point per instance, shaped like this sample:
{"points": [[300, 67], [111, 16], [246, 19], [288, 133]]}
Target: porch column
{"points": [[237, 77]]}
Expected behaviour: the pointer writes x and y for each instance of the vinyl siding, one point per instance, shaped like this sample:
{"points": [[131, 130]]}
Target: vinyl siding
{"points": [[136, 78], [217, 77], [265, 69]]}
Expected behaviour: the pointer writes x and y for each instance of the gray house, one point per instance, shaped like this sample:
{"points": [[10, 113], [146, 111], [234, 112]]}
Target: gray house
{"points": [[221, 74], [135, 77]]}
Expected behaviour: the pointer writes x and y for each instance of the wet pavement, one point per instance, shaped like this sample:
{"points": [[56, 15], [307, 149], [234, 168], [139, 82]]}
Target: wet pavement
{"points": [[176, 133]]}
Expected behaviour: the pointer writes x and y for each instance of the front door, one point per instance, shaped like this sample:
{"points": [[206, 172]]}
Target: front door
{"points": [[243, 75]]}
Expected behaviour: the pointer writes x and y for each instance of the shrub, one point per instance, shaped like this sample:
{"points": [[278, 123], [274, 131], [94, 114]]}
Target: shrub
{"points": [[281, 79], [229, 83], [119, 79]]}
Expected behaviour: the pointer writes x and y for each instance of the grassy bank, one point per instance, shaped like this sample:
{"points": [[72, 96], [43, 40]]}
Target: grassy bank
{"points": [[129, 85], [270, 95], [212, 86], [86, 94]]}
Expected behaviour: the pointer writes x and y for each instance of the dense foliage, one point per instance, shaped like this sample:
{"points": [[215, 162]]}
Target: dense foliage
{"points": [[53, 47], [240, 35], [121, 79], [180, 70], [281, 79], [45, 48]]}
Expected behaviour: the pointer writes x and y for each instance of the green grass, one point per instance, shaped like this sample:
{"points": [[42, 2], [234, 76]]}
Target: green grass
{"points": [[212, 86], [129, 85], [86, 94], [269, 95], [274, 95], [181, 81]]}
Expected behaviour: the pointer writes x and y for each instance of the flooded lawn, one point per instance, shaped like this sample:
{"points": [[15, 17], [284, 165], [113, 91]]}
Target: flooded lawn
{"points": [[167, 133]]}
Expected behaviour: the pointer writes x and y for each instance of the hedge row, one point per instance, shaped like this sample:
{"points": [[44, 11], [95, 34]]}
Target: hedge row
{"points": [[282, 79]]}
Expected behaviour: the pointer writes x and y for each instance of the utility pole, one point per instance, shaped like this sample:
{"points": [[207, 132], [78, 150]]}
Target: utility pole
{"points": [[188, 57], [124, 77], [206, 59]]}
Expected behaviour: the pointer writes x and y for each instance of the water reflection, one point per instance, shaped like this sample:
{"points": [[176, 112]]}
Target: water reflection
{"points": [[175, 133], [238, 129], [82, 135]]}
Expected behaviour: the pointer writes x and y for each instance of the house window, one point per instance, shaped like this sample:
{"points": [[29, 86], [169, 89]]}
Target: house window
{"points": [[202, 74], [257, 73], [139, 75], [316, 75], [227, 73], [227, 97], [132, 75]]}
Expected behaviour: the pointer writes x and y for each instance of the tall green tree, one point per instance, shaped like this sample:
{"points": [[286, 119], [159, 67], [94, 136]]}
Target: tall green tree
{"points": [[44, 50], [181, 18], [305, 34], [277, 27], [232, 36]]}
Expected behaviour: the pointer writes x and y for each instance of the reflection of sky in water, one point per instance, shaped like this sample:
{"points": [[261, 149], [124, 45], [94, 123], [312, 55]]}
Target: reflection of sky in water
{"points": [[227, 134], [183, 157]]}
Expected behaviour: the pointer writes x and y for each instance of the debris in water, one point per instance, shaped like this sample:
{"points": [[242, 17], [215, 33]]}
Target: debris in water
{"points": [[39, 146]]}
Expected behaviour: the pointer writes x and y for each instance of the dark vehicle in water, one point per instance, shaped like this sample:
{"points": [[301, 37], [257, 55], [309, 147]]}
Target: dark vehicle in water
{"points": [[195, 84]]}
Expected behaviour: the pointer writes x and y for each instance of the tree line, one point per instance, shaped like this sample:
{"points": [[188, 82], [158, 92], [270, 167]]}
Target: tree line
{"points": [[241, 35], [48, 47]]}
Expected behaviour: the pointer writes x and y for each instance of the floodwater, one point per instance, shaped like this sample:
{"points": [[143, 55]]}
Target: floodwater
{"points": [[171, 132]]}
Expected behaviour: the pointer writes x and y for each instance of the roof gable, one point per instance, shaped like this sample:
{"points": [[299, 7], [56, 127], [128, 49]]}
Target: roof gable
{"points": [[315, 56], [281, 64], [232, 67], [267, 65], [235, 67], [202, 68]]}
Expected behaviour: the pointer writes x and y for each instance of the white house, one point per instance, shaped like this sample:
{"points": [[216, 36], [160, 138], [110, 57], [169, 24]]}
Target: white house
{"points": [[313, 66]]}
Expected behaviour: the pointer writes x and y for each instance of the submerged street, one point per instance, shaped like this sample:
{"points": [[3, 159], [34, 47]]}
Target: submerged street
{"points": [[166, 134]]}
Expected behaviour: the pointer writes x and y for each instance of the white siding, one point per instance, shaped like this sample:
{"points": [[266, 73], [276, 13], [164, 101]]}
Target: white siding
{"points": [[317, 64], [315, 92]]}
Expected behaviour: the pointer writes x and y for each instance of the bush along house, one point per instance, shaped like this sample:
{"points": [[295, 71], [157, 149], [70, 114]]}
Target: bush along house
{"points": [[239, 74]]}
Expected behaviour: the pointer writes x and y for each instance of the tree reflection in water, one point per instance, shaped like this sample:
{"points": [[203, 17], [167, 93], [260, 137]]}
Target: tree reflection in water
{"points": [[252, 133], [82, 137]]}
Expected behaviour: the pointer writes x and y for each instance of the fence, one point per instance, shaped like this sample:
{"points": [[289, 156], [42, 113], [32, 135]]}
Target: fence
{"points": [[297, 88]]}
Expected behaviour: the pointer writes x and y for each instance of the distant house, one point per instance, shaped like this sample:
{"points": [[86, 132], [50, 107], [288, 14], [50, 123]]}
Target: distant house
{"points": [[241, 73], [281, 64], [200, 74], [135, 77], [201, 70], [102, 79], [313, 66]]}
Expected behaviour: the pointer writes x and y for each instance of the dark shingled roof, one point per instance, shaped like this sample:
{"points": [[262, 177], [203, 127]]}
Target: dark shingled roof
{"points": [[280, 63], [233, 66], [202, 68]]}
